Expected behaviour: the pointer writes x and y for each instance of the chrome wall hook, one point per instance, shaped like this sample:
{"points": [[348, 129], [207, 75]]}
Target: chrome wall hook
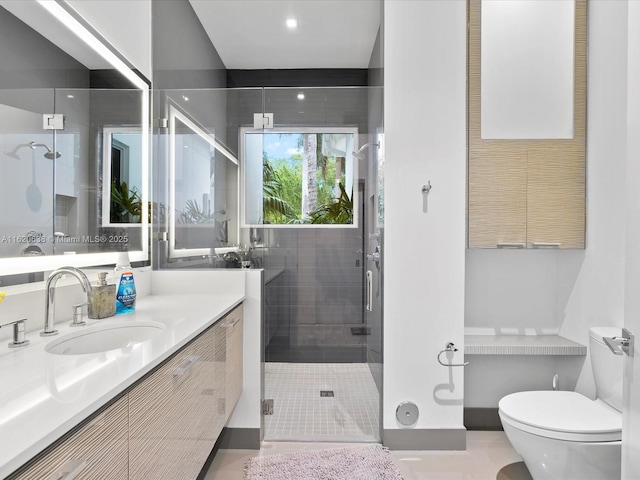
{"points": [[425, 196], [450, 347]]}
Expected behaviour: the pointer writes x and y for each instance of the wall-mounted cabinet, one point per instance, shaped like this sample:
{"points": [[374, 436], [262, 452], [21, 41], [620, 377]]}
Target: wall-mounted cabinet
{"points": [[526, 183]]}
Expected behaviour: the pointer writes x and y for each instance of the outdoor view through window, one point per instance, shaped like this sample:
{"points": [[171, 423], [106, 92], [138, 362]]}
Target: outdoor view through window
{"points": [[307, 177]]}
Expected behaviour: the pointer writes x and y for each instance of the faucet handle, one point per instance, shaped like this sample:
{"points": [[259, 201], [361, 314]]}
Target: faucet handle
{"points": [[19, 339], [77, 315]]}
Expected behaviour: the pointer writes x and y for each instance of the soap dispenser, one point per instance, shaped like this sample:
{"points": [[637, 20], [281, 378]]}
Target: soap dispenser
{"points": [[102, 298]]}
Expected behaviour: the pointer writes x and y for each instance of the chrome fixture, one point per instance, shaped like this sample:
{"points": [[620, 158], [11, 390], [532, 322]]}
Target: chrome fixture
{"points": [[49, 308], [450, 348], [375, 256], [359, 155], [407, 413], [426, 189], [49, 155], [369, 305], [620, 345], [77, 315], [19, 339]]}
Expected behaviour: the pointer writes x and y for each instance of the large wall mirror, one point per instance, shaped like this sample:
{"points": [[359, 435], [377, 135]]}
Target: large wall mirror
{"points": [[69, 105], [203, 190]]}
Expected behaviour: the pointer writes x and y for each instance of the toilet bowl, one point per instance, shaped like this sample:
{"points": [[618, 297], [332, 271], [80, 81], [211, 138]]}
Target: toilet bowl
{"points": [[565, 435]]}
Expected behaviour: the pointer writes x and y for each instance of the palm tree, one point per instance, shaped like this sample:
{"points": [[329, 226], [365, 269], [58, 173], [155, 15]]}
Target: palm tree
{"points": [[338, 212], [274, 207]]}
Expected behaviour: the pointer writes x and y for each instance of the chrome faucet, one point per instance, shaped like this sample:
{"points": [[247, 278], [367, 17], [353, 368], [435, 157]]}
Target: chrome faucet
{"points": [[49, 308]]}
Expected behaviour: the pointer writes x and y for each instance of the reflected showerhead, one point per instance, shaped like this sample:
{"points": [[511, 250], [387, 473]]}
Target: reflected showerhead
{"points": [[359, 155], [49, 155]]}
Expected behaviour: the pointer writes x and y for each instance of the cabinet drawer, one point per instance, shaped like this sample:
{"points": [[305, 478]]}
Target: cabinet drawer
{"points": [[234, 360], [98, 450], [174, 415]]}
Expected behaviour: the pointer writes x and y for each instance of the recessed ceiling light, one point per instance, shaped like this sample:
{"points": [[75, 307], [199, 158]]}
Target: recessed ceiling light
{"points": [[292, 23], [70, 96], [185, 98], [301, 96]]}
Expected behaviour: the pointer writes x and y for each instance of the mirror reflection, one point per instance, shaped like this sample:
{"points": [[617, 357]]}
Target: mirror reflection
{"points": [[203, 195], [67, 149], [121, 176]]}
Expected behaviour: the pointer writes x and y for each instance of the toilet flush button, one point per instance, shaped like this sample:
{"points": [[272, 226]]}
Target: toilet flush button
{"points": [[407, 413]]}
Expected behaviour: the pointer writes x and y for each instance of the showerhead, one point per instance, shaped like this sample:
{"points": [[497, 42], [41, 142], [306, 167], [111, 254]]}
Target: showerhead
{"points": [[50, 155], [359, 155]]}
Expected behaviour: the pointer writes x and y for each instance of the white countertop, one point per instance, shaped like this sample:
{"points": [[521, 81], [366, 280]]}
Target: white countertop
{"points": [[42, 396]]}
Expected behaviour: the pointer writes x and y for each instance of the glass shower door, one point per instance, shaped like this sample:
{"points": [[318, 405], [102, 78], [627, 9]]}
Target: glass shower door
{"points": [[310, 203]]}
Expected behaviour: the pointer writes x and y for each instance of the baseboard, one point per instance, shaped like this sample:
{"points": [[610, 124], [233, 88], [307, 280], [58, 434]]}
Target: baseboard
{"points": [[476, 418], [239, 438], [425, 439]]}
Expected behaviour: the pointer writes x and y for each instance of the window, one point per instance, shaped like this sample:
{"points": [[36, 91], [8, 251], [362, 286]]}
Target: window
{"points": [[302, 177]]}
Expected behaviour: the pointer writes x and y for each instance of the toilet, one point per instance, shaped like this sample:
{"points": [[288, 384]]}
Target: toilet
{"points": [[564, 435]]}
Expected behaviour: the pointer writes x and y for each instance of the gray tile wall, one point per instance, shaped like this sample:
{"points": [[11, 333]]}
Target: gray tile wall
{"points": [[319, 297]]}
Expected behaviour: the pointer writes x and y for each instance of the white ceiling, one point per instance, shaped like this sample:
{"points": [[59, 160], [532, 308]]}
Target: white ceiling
{"points": [[251, 34]]}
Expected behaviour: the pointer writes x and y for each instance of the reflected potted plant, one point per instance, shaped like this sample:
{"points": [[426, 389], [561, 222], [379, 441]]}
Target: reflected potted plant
{"points": [[126, 204]]}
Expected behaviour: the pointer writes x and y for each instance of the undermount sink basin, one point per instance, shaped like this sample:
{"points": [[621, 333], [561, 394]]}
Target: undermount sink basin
{"points": [[102, 338]]}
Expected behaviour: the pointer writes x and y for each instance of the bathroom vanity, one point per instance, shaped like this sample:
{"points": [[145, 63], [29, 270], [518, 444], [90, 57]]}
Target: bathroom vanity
{"points": [[152, 409]]}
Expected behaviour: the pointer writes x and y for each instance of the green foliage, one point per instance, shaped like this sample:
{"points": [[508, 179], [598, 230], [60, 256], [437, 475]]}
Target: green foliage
{"points": [[126, 204], [275, 208], [194, 214], [289, 173], [283, 187], [339, 211]]}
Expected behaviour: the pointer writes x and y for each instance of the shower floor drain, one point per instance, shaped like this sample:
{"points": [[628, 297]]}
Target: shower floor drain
{"points": [[326, 393]]}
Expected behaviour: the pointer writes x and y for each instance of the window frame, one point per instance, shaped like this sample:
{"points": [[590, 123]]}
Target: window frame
{"points": [[299, 130]]}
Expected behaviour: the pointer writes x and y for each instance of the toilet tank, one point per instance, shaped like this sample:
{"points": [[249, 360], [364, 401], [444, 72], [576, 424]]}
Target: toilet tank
{"points": [[607, 367]]}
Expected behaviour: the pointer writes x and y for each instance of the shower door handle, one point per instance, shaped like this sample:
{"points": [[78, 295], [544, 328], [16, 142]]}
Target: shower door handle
{"points": [[369, 291]]}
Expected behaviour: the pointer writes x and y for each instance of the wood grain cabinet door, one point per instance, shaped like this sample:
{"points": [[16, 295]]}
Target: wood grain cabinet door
{"points": [[233, 334], [526, 192], [173, 415], [97, 450]]}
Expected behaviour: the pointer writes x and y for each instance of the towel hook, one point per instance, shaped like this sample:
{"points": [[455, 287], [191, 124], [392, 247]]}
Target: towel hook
{"points": [[450, 347]]}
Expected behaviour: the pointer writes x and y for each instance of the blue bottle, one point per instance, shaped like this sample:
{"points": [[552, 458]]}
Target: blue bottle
{"points": [[126, 287]]}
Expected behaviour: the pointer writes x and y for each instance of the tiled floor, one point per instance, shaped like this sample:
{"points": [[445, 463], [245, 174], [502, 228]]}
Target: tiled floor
{"points": [[489, 456], [302, 414]]}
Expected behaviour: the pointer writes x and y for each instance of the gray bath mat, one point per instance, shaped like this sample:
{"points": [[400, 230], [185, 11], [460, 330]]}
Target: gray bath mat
{"points": [[371, 462]]}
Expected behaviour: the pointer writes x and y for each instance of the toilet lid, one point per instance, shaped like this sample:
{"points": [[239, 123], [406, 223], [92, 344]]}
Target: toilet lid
{"points": [[561, 415]]}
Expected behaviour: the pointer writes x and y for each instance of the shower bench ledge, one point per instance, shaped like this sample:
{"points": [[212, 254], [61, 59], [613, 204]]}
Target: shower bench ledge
{"points": [[521, 345]]}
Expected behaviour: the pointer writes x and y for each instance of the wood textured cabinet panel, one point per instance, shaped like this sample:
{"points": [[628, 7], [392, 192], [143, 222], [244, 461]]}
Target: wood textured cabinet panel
{"points": [[233, 365], [174, 415], [498, 198], [527, 192], [556, 197], [98, 450]]}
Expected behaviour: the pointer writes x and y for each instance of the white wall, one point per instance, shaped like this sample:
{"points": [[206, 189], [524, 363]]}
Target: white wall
{"points": [[631, 417], [425, 131], [567, 291], [126, 24]]}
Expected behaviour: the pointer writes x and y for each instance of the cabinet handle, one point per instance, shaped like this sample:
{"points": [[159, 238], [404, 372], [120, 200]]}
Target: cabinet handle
{"points": [[510, 245], [69, 470], [545, 244], [231, 323], [183, 371]]}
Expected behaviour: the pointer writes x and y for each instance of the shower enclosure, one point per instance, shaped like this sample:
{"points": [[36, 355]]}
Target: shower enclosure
{"points": [[288, 180], [318, 384]]}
